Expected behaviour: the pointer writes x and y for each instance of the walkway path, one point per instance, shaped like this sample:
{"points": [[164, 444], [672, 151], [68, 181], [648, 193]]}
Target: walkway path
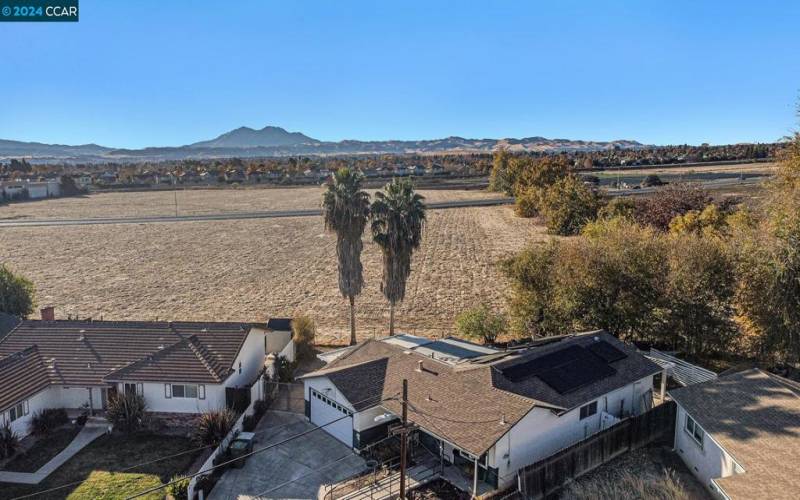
{"points": [[89, 433]]}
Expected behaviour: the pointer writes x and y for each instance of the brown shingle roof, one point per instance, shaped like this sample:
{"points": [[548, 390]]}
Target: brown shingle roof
{"points": [[85, 352], [459, 406], [754, 416], [22, 374], [188, 357], [466, 403]]}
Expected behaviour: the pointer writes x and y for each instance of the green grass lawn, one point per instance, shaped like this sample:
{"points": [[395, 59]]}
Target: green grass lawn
{"points": [[99, 468], [45, 448]]}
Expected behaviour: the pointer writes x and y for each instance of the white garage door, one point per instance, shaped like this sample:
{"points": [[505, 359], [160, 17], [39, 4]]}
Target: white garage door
{"points": [[327, 411]]}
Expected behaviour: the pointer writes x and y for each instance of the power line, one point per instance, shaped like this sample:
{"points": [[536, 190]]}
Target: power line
{"points": [[160, 459], [351, 454], [259, 450]]}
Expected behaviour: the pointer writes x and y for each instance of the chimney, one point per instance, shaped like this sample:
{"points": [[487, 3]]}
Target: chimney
{"points": [[48, 313]]}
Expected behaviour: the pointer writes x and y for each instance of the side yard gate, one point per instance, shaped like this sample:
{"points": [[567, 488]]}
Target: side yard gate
{"points": [[549, 475]]}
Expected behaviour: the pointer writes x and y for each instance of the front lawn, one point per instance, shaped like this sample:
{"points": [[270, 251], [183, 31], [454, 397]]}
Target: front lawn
{"points": [[100, 468], [45, 448]]}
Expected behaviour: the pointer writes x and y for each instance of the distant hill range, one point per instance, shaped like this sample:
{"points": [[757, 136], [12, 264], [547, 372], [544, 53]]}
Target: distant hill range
{"points": [[245, 142]]}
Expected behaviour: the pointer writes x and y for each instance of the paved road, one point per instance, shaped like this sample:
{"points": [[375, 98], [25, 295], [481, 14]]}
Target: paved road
{"points": [[8, 223], [224, 216]]}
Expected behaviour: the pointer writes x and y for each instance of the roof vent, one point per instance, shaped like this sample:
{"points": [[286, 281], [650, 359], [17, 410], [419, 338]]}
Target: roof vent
{"points": [[82, 331], [420, 366], [161, 346], [503, 420], [81, 337]]}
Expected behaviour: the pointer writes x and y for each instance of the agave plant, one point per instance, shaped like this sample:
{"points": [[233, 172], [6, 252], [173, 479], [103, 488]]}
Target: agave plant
{"points": [[214, 426], [9, 442]]}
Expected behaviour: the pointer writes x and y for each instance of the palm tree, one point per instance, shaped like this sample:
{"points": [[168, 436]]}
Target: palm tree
{"points": [[346, 210], [398, 216]]}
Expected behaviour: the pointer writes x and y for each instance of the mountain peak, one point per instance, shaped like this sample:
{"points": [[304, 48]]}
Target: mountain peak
{"points": [[246, 137]]}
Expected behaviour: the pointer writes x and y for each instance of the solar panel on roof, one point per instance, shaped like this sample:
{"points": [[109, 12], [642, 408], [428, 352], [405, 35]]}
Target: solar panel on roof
{"points": [[526, 369], [576, 374], [449, 349], [565, 370], [606, 351]]}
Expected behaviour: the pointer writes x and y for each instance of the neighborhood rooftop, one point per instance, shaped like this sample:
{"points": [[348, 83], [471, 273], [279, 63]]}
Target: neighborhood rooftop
{"points": [[371, 374], [89, 352], [755, 416]]}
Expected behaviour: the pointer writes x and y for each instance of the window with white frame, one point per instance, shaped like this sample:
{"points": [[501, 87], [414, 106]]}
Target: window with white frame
{"points": [[184, 391], [694, 430], [18, 411], [190, 391]]}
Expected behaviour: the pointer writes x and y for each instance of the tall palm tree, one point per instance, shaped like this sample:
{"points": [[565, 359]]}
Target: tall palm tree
{"points": [[346, 210], [398, 216]]}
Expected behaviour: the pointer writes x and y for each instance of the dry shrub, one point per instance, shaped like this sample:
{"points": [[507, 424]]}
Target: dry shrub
{"points": [[304, 330], [126, 411], [627, 486]]}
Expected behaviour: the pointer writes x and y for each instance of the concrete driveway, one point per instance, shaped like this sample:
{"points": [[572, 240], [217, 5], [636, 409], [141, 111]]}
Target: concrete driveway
{"points": [[295, 469]]}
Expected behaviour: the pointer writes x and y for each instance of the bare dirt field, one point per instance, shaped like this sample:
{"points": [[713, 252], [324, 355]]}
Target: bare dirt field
{"points": [[251, 269], [765, 168], [195, 202]]}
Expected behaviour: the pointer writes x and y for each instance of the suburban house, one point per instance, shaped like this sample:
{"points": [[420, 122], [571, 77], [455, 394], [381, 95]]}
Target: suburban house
{"points": [[740, 434], [485, 411], [181, 368]]}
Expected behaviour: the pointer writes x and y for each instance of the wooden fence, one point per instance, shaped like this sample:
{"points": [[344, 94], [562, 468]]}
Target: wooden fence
{"points": [[547, 476]]}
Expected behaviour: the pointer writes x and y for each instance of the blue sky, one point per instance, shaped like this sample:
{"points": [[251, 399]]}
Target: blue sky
{"points": [[150, 73]]}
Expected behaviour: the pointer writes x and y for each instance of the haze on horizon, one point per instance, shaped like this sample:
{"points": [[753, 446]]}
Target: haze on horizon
{"points": [[149, 73]]}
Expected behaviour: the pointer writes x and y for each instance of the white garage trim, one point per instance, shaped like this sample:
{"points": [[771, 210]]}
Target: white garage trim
{"points": [[335, 417]]}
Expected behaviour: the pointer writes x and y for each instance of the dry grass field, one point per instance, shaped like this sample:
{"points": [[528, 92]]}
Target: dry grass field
{"points": [[764, 168], [251, 269], [194, 202]]}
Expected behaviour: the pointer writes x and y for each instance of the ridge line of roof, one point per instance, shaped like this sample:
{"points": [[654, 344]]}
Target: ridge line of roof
{"points": [[152, 356], [200, 352]]}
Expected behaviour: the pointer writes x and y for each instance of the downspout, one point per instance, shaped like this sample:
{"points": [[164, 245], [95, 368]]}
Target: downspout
{"points": [[91, 402], [475, 480]]}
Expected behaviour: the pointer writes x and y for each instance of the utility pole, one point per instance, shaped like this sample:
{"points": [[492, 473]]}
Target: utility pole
{"points": [[404, 441]]}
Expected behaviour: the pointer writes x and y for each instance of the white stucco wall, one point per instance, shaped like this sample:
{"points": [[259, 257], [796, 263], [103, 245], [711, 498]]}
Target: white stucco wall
{"points": [[277, 340], [541, 432], [708, 462], [251, 357], [34, 404], [72, 397], [156, 400]]}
